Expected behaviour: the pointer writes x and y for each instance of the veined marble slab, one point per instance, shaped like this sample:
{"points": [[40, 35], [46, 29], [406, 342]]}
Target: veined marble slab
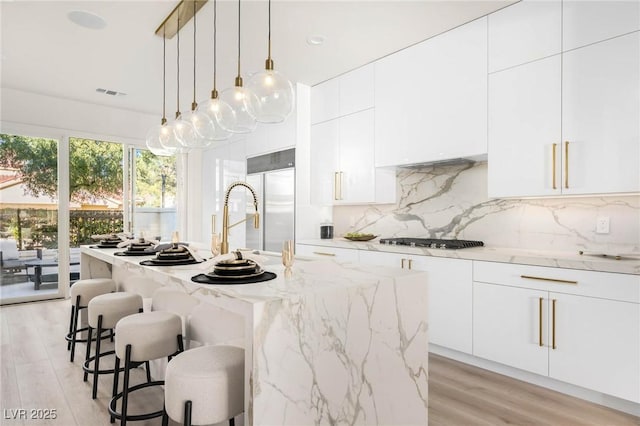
{"points": [[559, 259], [331, 343]]}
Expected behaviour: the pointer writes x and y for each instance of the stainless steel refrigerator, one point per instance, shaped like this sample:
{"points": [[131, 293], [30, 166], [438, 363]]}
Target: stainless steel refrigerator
{"points": [[273, 178]]}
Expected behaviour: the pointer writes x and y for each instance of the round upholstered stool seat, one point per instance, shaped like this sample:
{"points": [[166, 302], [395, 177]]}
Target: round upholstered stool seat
{"points": [[205, 385], [140, 338], [82, 292], [104, 312]]}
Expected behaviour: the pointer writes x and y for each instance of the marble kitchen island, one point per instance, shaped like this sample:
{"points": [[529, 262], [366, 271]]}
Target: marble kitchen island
{"points": [[333, 343]]}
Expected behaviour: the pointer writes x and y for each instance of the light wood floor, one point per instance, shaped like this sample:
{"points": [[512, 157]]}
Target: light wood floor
{"points": [[36, 374]]}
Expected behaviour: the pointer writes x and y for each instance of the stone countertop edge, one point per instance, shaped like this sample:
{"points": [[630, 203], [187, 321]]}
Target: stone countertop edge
{"points": [[556, 259]]}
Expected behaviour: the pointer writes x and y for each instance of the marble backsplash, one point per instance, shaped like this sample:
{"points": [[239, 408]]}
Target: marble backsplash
{"points": [[451, 202]]}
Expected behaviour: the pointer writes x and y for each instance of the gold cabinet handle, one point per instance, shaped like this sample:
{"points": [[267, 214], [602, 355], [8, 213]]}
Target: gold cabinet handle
{"points": [[540, 299], [335, 186], [553, 324], [566, 164], [402, 263], [321, 253], [410, 262], [555, 280], [341, 176], [553, 165]]}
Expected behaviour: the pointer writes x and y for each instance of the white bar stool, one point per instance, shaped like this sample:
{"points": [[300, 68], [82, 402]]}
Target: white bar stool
{"points": [[141, 338], [104, 312], [82, 292], [205, 385]]}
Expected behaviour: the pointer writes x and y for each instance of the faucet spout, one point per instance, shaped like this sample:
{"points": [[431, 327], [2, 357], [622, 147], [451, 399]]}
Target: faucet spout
{"points": [[224, 245]]}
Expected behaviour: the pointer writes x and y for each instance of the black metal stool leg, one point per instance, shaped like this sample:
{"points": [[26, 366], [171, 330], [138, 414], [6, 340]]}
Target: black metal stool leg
{"points": [[187, 413], [96, 363], [75, 309], [89, 333], [148, 369], [232, 421], [125, 386], [116, 375], [70, 328]]}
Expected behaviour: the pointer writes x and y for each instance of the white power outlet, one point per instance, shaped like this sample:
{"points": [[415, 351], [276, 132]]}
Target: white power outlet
{"points": [[602, 225]]}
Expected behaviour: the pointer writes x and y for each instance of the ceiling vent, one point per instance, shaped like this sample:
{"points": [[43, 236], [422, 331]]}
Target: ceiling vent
{"points": [[110, 92]]}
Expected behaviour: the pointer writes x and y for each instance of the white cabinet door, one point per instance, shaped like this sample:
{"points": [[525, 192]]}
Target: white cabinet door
{"points": [[586, 22], [450, 286], [356, 158], [356, 90], [392, 260], [325, 101], [431, 99], [601, 117], [597, 344], [324, 162], [506, 326], [524, 32], [524, 125]]}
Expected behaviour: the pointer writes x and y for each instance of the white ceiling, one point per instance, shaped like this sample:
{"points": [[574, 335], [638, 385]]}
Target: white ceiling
{"points": [[44, 52]]}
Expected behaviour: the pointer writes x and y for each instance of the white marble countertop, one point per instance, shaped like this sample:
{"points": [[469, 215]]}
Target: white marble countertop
{"points": [[560, 259]]}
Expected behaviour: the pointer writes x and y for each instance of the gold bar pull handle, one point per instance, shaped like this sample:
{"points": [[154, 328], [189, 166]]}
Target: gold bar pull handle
{"points": [[321, 253], [410, 262], [341, 176], [335, 186], [554, 280], [402, 263], [540, 299], [566, 164], [553, 165], [553, 324]]}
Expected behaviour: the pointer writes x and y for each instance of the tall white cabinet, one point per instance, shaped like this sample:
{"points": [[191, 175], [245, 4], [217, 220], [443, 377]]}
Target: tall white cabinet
{"points": [[564, 114]]}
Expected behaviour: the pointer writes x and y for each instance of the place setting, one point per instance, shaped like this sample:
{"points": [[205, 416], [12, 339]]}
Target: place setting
{"points": [[175, 254], [139, 247]]}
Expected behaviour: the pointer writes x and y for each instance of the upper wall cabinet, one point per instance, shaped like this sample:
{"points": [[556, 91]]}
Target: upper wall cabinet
{"points": [[431, 99], [524, 32], [568, 123], [343, 95], [586, 22]]}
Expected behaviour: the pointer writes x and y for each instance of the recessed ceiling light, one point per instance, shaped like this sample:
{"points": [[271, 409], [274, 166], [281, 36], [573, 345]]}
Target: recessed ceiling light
{"points": [[316, 39], [110, 92], [87, 19]]}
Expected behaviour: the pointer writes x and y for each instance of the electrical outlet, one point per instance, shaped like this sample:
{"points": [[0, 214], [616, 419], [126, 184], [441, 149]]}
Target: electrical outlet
{"points": [[602, 225]]}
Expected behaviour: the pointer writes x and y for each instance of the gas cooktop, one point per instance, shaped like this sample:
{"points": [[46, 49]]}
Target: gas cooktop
{"points": [[431, 243]]}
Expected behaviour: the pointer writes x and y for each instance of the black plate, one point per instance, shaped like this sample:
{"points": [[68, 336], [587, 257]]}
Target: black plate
{"points": [[135, 253], [205, 279], [156, 262], [215, 276]]}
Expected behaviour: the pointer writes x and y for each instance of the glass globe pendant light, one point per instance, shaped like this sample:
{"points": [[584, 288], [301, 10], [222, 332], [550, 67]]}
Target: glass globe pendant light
{"points": [[272, 89], [242, 101], [156, 133], [199, 121], [214, 107], [182, 132]]}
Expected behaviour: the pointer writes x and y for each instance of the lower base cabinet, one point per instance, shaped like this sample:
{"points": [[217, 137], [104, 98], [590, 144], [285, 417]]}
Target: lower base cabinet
{"points": [[592, 342]]}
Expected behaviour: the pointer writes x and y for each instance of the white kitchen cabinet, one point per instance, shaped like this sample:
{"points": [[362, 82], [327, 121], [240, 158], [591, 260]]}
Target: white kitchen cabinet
{"points": [[506, 326], [524, 32], [524, 130], [342, 163], [586, 22], [325, 101], [580, 327], [601, 117], [325, 252], [597, 344], [450, 295], [343, 95], [430, 99], [568, 124]]}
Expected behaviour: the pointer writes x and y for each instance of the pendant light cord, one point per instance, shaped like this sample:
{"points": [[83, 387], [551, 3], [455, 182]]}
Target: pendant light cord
{"points": [[194, 105], [178, 70], [215, 47], [238, 38], [164, 74], [269, 37]]}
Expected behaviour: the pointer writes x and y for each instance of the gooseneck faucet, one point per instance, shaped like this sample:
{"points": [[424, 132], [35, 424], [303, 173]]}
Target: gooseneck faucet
{"points": [[224, 245]]}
